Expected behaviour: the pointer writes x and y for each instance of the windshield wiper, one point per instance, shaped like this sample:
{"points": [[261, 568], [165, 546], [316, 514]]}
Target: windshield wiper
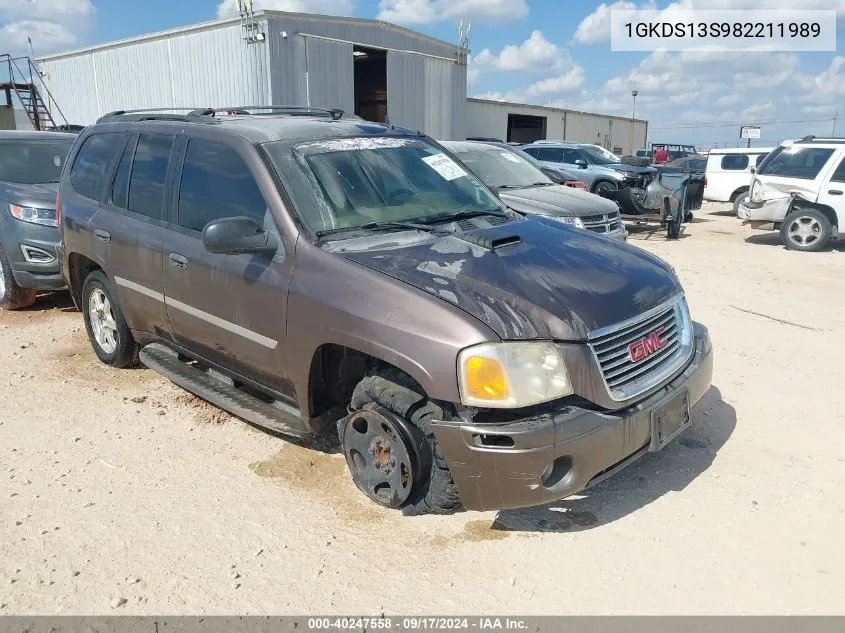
{"points": [[374, 226], [542, 184], [465, 215], [511, 186]]}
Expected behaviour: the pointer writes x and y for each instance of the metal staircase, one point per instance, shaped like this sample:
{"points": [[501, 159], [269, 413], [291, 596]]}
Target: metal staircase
{"points": [[24, 80]]}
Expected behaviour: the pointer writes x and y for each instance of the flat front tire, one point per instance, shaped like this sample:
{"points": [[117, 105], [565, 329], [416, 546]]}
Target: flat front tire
{"points": [[12, 296], [390, 447], [107, 329]]}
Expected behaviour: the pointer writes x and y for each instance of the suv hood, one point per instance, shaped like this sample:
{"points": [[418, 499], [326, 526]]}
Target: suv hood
{"points": [[40, 196], [634, 169], [557, 201], [557, 283]]}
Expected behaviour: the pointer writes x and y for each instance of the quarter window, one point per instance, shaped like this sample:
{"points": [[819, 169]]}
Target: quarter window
{"points": [[93, 163], [734, 162], [839, 174], [149, 175], [216, 183]]}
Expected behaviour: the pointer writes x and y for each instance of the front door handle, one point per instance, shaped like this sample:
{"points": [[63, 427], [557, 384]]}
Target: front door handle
{"points": [[835, 192], [103, 236], [178, 261]]}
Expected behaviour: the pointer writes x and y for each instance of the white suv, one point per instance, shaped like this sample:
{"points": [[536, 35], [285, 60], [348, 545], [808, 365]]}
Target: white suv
{"points": [[729, 173], [800, 189]]}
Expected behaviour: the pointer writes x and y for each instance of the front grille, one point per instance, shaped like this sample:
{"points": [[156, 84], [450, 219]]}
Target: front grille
{"points": [[627, 376], [605, 223]]}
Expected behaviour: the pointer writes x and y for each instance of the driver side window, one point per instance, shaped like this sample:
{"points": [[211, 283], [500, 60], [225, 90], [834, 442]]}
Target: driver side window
{"points": [[216, 183], [571, 156]]}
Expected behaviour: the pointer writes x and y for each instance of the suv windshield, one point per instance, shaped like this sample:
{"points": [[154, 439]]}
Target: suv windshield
{"points": [[356, 181], [795, 161], [599, 155], [32, 162], [504, 169]]}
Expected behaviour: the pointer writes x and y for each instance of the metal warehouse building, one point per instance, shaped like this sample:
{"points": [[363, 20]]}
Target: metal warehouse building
{"points": [[514, 122], [367, 67]]}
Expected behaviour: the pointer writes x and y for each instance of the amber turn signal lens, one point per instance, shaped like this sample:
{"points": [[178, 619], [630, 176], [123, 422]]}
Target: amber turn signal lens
{"points": [[486, 379]]}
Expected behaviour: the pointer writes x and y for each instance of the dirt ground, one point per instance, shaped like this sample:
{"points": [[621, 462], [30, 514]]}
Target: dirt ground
{"points": [[120, 493]]}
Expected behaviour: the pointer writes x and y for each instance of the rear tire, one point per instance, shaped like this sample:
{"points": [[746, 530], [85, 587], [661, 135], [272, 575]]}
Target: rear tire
{"points": [[107, 329], [806, 230], [12, 296], [433, 490], [739, 199]]}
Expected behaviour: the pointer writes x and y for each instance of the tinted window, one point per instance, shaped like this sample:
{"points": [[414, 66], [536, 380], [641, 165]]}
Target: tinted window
{"points": [[697, 163], [735, 162], [839, 174], [216, 183], [549, 154], [149, 173], [120, 186], [571, 155], [33, 161], [760, 159], [93, 163], [797, 161]]}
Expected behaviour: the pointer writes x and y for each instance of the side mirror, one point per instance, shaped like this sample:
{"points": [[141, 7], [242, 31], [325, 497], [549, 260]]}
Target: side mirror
{"points": [[239, 235], [581, 163], [753, 170]]}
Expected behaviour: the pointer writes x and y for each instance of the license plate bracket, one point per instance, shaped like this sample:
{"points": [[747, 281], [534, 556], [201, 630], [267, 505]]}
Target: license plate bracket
{"points": [[669, 420]]}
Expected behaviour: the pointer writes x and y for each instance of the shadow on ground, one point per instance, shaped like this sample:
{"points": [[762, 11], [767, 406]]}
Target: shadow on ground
{"points": [[645, 481], [58, 300], [772, 238]]}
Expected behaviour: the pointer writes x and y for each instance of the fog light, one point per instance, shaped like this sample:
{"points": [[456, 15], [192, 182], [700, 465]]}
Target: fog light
{"points": [[555, 472]]}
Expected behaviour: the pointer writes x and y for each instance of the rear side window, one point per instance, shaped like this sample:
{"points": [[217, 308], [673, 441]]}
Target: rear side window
{"points": [[839, 174], [797, 161], [549, 154], [149, 174], [734, 162], [216, 183], [93, 163]]}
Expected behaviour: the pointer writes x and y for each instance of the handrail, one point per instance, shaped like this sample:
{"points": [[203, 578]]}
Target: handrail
{"points": [[33, 70]]}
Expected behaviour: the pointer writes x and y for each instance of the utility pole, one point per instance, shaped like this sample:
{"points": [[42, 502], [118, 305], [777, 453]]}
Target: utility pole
{"points": [[633, 118], [835, 115]]}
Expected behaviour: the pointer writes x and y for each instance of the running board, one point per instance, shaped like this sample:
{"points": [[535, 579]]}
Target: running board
{"points": [[278, 418]]}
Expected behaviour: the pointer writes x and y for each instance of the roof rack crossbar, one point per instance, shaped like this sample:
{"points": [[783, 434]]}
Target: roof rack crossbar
{"points": [[335, 113], [172, 114]]}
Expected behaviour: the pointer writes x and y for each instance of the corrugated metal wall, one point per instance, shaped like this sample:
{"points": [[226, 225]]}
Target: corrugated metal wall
{"points": [[490, 118], [209, 67], [212, 65], [422, 92]]}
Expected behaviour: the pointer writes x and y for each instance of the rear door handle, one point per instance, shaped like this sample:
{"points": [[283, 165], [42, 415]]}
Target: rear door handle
{"points": [[103, 236], [178, 261], [835, 192]]}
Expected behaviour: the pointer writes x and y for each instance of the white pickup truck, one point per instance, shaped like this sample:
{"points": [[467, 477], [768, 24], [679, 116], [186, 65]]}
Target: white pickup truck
{"points": [[799, 189]]}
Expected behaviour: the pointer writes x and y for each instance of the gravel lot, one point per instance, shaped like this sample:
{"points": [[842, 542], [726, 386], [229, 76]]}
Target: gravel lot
{"points": [[120, 493]]}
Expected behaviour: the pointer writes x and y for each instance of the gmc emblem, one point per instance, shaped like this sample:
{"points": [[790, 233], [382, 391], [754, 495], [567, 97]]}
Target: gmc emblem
{"points": [[643, 348]]}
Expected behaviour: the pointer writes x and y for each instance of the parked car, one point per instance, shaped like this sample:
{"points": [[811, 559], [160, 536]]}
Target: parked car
{"points": [[314, 275], [675, 150], [30, 164], [556, 175], [526, 189], [799, 190], [729, 173], [601, 173], [693, 163]]}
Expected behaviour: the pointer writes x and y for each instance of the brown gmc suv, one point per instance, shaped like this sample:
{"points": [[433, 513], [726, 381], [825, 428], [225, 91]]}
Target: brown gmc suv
{"points": [[315, 274]]}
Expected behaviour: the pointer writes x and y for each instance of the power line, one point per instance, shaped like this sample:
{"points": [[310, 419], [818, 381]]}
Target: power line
{"points": [[733, 123]]}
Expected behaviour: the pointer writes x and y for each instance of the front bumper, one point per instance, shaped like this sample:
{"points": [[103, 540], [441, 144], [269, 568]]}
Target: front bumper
{"points": [[499, 466], [766, 211], [31, 250]]}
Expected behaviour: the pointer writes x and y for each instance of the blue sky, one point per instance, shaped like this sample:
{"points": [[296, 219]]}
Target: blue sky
{"points": [[532, 51]]}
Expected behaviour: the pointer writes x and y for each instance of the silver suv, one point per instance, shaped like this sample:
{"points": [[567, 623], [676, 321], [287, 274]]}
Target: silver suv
{"points": [[592, 166]]}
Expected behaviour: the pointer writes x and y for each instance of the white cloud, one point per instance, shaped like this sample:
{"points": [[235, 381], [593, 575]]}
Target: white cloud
{"points": [[759, 110], [473, 76], [596, 26], [429, 11], [536, 53], [511, 96], [570, 80], [227, 9], [50, 24], [728, 100]]}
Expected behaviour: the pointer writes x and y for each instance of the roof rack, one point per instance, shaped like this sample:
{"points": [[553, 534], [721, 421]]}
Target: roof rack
{"points": [[209, 115], [821, 139]]}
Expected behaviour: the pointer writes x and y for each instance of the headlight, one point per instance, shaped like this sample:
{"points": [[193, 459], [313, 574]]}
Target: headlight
{"points": [[511, 375], [756, 191], [47, 217], [576, 222]]}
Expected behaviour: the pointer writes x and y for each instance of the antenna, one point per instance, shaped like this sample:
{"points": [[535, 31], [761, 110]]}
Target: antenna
{"points": [[251, 26], [464, 33]]}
